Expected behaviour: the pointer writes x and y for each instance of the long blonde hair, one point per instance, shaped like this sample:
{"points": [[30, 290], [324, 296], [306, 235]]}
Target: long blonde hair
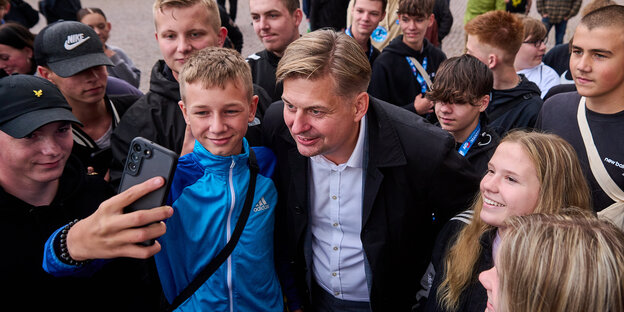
{"points": [[562, 184], [561, 263]]}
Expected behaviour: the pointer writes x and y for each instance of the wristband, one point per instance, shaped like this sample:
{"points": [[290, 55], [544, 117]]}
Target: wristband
{"points": [[62, 247]]}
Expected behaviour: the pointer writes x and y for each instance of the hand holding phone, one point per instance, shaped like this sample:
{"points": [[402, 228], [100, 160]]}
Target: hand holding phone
{"points": [[146, 160]]}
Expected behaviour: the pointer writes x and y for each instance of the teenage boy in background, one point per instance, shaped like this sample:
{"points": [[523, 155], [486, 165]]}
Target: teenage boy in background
{"points": [[461, 94], [596, 64], [276, 22], [495, 38], [529, 58], [396, 77], [71, 55], [366, 15]]}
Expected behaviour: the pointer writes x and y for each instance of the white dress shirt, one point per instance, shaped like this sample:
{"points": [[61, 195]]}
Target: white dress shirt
{"points": [[336, 223]]}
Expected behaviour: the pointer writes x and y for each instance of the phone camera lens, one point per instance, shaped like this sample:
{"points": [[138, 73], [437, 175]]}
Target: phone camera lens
{"points": [[135, 156], [147, 152], [132, 166], [137, 147]]}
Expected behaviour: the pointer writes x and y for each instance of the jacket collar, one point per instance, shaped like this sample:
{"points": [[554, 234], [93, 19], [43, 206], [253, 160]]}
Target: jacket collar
{"points": [[83, 139], [220, 164], [384, 149]]}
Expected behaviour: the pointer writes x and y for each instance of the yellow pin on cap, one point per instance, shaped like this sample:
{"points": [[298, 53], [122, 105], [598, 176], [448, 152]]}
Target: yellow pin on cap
{"points": [[38, 93]]}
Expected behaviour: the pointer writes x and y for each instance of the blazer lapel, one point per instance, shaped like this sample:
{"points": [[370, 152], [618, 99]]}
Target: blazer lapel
{"points": [[382, 149], [298, 190]]}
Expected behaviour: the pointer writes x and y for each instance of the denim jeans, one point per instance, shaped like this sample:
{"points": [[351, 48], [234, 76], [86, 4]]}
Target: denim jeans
{"points": [[560, 29]]}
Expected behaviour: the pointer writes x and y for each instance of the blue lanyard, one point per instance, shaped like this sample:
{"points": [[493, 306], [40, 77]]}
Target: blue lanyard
{"points": [[419, 78], [370, 50], [470, 141]]}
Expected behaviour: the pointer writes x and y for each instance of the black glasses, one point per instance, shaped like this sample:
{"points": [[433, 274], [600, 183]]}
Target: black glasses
{"points": [[537, 43]]}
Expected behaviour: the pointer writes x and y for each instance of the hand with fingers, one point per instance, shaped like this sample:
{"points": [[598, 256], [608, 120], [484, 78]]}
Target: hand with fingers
{"points": [[423, 105], [111, 233]]}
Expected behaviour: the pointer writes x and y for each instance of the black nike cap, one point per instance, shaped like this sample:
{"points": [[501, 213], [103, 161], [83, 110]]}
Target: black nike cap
{"points": [[69, 47]]}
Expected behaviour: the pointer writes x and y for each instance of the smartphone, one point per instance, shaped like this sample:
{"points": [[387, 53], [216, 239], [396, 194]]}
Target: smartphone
{"points": [[146, 160]]}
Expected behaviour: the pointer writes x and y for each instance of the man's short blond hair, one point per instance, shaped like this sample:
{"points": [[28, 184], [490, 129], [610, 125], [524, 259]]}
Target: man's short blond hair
{"points": [[215, 67], [214, 19], [326, 52]]}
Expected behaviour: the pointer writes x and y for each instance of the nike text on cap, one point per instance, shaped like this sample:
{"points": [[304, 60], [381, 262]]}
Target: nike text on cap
{"points": [[68, 47], [30, 102]]}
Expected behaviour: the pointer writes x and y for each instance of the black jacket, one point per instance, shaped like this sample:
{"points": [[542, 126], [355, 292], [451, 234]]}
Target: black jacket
{"points": [[263, 66], [482, 150], [393, 80], [85, 147], [514, 108], [558, 58], [328, 13], [474, 298], [443, 17], [120, 285], [414, 182], [156, 116]]}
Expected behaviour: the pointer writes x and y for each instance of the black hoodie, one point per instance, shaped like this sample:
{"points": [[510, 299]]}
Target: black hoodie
{"points": [[393, 80], [514, 108], [122, 284]]}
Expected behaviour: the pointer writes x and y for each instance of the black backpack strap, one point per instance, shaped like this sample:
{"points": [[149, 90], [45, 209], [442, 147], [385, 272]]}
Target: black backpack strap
{"points": [[216, 262]]}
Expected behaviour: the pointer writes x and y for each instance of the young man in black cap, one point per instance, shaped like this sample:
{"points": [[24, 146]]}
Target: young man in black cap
{"points": [[70, 55], [42, 188]]}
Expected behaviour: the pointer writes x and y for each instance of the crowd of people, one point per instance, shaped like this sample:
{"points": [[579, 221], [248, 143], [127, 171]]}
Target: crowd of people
{"points": [[351, 168]]}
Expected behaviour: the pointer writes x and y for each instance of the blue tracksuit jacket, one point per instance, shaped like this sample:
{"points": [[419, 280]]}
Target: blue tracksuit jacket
{"points": [[207, 194]]}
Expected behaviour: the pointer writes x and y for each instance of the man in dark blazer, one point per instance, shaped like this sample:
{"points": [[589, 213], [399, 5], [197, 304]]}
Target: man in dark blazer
{"points": [[364, 186]]}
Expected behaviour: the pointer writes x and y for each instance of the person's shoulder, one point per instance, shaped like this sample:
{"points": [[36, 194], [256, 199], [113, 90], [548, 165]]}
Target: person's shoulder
{"points": [[549, 72], [123, 102], [266, 160], [411, 128], [564, 101], [118, 86], [188, 171], [449, 231], [274, 116], [559, 109], [117, 50], [433, 52], [561, 103], [393, 49], [252, 58]]}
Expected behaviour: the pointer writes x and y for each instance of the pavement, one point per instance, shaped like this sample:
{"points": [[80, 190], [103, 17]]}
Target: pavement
{"points": [[133, 30]]}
